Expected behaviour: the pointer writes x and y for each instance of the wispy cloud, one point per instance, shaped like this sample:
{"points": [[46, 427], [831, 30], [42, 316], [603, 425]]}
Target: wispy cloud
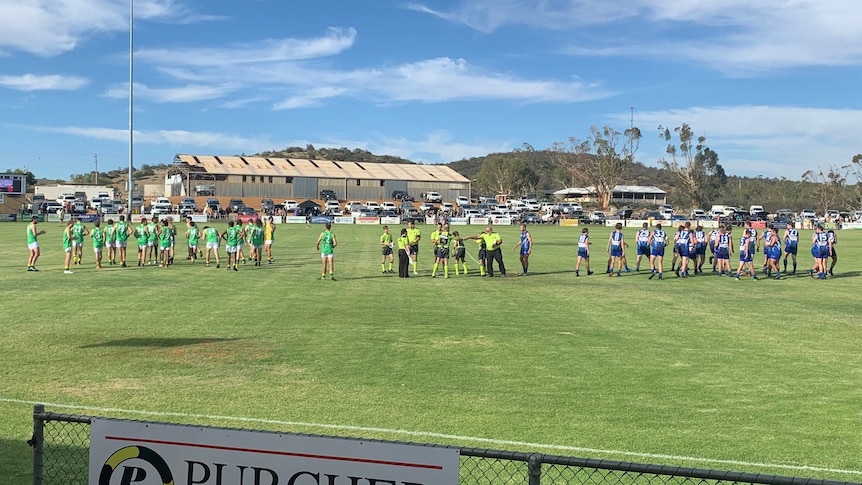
{"points": [[180, 94], [310, 97], [179, 138], [33, 82], [52, 27], [429, 81], [761, 140], [334, 42], [727, 35]]}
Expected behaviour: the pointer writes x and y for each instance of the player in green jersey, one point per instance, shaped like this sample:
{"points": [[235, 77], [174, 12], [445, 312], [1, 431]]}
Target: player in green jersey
{"points": [[232, 237], [257, 242], [79, 230], [142, 234], [122, 232], [386, 250], [150, 250], [326, 243], [212, 238], [98, 235], [193, 234], [441, 250], [67, 247], [33, 244], [111, 241], [166, 236]]}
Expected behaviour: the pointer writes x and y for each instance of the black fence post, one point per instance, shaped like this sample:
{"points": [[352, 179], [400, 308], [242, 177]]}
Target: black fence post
{"points": [[534, 469], [37, 442]]}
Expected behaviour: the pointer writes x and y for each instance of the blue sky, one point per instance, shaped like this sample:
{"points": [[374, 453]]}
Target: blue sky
{"points": [[773, 84]]}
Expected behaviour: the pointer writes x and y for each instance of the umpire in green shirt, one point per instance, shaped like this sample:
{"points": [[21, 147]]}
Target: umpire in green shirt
{"points": [[493, 241]]}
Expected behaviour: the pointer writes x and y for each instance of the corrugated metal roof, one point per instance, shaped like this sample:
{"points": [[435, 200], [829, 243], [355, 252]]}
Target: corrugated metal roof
{"points": [[631, 189], [292, 167]]}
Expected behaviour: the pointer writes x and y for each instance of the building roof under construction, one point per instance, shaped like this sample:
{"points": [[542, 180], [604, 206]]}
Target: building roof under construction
{"points": [[291, 167]]}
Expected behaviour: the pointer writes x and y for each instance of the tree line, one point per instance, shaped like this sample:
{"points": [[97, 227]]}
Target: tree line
{"points": [[690, 173]]}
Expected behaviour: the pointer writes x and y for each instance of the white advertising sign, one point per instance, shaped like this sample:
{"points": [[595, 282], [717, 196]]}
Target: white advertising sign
{"points": [[458, 221], [367, 220], [502, 220], [295, 220], [479, 220], [390, 220], [140, 453], [343, 220]]}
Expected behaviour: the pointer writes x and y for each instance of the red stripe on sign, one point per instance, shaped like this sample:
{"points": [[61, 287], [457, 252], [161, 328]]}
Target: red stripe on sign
{"points": [[275, 452]]}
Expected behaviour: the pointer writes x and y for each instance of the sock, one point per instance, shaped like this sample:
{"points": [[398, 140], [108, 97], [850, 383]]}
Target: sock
{"points": [[482, 270], [446, 270], [465, 267], [794, 267], [382, 267], [390, 265], [456, 269], [434, 271]]}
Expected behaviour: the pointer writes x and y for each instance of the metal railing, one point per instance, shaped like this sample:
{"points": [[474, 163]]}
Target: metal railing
{"points": [[61, 452]]}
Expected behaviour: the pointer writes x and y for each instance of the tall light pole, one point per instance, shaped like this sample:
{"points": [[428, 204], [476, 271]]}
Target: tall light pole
{"points": [[96, 160], [131, 101]]}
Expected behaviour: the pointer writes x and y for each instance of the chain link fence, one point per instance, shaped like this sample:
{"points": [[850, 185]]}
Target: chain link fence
{"points": [[61, 445]]}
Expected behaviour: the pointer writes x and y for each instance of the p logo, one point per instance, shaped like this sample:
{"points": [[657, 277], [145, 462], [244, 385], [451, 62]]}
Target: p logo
{"points": [[136, 472]]}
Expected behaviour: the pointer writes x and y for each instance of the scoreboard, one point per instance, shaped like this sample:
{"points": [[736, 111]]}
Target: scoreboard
{"points": [[12, 184]]}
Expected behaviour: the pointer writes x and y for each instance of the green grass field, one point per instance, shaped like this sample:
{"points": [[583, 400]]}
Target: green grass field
{"points": [[751, 376]]}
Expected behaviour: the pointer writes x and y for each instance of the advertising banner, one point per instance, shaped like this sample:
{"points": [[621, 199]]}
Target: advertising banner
{"points": [[322, 220], [368, 220], [295, 220], [141, 453], [390, 220], [458, 221], [341, 220]]}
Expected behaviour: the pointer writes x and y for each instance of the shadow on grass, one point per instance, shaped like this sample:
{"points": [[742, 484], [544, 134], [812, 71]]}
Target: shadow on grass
{"points": [[157, 342], [16, 462]]}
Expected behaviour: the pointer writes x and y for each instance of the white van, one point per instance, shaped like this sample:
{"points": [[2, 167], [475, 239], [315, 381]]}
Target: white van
{"points": [[755, 209]]}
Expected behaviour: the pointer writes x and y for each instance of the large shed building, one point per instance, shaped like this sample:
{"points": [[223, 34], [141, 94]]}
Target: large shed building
{"points": [[241, 176]]}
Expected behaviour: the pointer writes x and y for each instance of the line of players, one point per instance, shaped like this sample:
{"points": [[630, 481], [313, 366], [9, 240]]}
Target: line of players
{"points": [[690, 246], [156, 241], [446, 244]]}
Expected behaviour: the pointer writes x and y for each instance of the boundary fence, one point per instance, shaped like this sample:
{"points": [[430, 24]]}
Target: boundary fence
{"points": [[60, 445]]}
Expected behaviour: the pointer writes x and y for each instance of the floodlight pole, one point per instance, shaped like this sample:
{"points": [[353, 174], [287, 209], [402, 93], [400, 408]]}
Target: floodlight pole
{"points": [[131, 102]]}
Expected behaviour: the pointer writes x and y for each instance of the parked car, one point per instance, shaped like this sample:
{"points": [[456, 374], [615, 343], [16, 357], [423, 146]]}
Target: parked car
{"points": [[66, 199], [107, 207], [366, 212], [235, 205], [289, 205], [334, 212], [267, 206], [532, 204], [433, 197], [372, 204], [137, 202], [350, 203], [327, 194], [426, 207], [654, 215], [530, 218], [81, 196], [401, 195], [598, 217], [331, 204], [246, 211], [568, 207], [50, 207], [388, 206], [447, 206], [831, 214], [462, 201], [188, 206], [388, 213], [808, 214], [95, 203], [213, 204], [407, 206], [162, 204], [755, 209], [696, 213], [785, 214]]}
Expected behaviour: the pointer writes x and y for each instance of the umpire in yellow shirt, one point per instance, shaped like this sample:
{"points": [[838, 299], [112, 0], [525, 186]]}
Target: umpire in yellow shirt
{"points": [[493, 241]]}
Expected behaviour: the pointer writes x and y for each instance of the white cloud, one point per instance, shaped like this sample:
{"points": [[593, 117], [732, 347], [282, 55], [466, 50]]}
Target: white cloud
{"points": [[180, 138], [181, 94], [32, 82], [774, 141], [334, 42], [310, 97], [52, 27], [727, 35]]}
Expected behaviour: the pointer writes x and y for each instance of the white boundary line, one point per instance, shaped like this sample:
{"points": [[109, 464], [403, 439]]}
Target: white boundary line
{"points": [[429, 434]]}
